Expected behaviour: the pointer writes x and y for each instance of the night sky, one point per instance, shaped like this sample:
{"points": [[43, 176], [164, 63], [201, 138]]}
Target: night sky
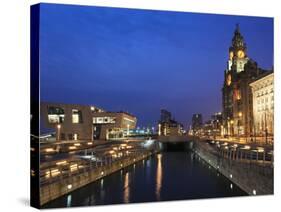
{"points": [[140, 61]]}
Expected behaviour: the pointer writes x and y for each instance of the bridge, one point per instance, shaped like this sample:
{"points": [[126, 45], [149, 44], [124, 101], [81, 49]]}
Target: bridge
{"points": [[176, 138]]}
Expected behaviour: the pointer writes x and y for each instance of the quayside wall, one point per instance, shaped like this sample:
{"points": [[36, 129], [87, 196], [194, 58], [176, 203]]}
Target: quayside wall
{"points": [[62, 187], [254, 177]]}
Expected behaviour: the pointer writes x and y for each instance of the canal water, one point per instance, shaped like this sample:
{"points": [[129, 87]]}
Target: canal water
{"points": [[162, 177]]}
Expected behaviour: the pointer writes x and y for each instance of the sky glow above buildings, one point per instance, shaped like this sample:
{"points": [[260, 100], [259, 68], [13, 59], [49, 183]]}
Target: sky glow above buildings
{"points": [[141, 61]]}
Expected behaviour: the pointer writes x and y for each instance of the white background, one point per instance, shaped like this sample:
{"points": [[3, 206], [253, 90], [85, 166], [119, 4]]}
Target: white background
{"points": [[14, 113]]}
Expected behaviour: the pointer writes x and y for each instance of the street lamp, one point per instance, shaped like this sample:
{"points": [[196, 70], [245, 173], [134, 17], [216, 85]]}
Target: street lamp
{"points": [[265, 123], [128, 128], [231, 127], [58, 127], [239, 115], [222, 131]]}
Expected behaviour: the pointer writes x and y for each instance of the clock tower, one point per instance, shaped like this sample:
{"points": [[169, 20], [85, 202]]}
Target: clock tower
{"points": [[236, 93], [237, 52]]}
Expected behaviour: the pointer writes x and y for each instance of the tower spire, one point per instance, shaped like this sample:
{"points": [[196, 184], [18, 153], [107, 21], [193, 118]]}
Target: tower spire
{"points": [[238, 40], [237, 28]]}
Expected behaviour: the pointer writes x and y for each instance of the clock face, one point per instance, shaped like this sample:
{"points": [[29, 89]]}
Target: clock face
{"points": [[228, 80], [230, 55], [241, 54]]}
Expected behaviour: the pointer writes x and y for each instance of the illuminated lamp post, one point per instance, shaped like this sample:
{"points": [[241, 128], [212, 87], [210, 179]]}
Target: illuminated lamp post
{"points": [[255, 135], [222, 131], [128, 129], [239, 115], [159, 129], [228, 129], [231, 127], [58, 132], [265, 123]]}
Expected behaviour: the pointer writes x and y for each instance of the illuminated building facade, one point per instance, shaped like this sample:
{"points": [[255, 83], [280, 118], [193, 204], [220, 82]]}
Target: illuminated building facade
{"points": [[197, 123], [217, 124], [263, 105], [112, 125], [236, 92], [167, 126], [171, 128], [84, 122], [213, 127]]}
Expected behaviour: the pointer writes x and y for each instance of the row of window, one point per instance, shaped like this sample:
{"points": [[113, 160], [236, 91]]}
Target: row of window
{"points": [[104, 120], [265, 107], [56, 115], [263, 100], [55, 119], [69, 136]]}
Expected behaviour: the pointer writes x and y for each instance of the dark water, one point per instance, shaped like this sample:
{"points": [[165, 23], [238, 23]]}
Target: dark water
{"points": [[162, 177]]}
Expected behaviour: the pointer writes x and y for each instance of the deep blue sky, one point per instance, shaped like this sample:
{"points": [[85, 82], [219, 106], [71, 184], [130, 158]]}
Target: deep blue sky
{"points": [[140, 60]]}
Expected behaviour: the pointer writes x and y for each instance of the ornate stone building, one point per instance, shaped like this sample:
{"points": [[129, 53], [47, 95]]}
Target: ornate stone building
{"points": [[263, 106], [236, 92]]}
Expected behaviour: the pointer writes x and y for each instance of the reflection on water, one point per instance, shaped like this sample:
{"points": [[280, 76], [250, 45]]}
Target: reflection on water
{"points": [[126, 188], [158, 176], [68, 204], [165, 176], [101, 184]]}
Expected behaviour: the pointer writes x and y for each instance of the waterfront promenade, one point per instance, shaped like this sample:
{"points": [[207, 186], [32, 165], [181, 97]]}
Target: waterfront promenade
{"points": [[68, 166]]}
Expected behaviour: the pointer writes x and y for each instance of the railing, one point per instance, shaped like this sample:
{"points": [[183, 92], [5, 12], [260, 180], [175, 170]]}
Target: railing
{"points": [[87, 160], [76, 167], [252, 171]]}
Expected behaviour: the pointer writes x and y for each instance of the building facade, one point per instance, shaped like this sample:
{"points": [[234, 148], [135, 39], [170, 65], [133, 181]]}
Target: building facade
{"points": [[236, 92], [217, 124], [197, 123], [168, 126], [113, 125], [165, 116], [214, 126], [263, 106], [84, 122]]}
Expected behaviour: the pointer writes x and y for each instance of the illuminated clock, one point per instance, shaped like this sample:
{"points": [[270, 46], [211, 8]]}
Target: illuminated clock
{"points": [[241, 54], [228, 80], [230, 55]]}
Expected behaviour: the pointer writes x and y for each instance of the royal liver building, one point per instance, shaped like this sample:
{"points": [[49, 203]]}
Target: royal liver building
{"points": [[236, 93]]}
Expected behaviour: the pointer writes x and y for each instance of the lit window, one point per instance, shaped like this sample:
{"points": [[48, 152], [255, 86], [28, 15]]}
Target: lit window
{"points": [[228, 80], [55, 115], [237, 94], [104, 120], [76, 116]]}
